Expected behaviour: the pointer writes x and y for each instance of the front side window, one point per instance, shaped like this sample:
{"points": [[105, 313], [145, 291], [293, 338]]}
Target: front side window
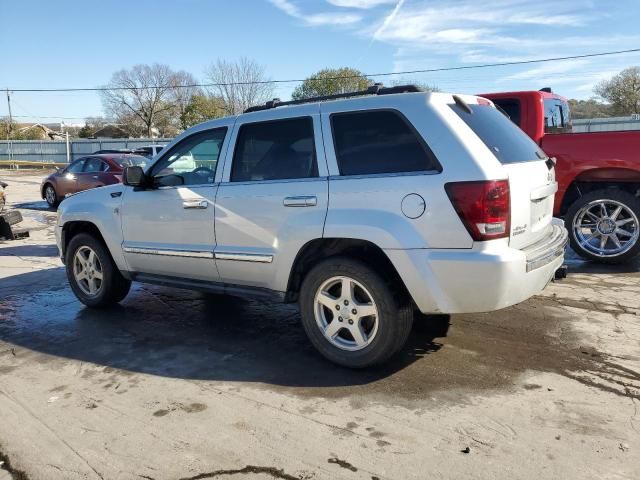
{"points": [[93, 165], [374, 142], [193, 161], [275, 150], [76, 167]]}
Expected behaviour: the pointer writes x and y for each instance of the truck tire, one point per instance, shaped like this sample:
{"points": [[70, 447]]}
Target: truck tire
{"points": [[92, 274], [603, 226], [12, 217], [351, 316]]}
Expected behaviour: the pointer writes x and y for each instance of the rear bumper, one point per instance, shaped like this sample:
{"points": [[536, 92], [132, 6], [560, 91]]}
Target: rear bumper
{"points": [[488, 277]]}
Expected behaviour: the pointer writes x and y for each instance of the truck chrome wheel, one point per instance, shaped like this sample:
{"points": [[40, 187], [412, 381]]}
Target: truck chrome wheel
{"points": [[346, 313], [606, 228], [87, 271]]}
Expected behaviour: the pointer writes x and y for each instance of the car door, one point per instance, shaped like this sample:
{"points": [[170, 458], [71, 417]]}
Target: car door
{"points": [[169, 229], [67, 180], [91, 174], [273, 197]]}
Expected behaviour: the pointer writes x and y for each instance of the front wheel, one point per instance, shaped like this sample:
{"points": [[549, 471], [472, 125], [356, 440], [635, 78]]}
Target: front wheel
{"points": [[603, 226], [92, 274], [351, 315], [51, 196]]}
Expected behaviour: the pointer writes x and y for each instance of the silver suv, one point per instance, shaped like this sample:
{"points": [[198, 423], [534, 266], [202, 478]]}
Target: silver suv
{"points": [[363, 210]]}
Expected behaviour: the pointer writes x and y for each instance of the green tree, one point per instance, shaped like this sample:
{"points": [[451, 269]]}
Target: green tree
{"points": [[591, 108], [622, 91], [202, 108], [330, 81]]}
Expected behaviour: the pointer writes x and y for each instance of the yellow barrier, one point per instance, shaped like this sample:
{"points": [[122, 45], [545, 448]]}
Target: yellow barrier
{"points": [[28, 163]]}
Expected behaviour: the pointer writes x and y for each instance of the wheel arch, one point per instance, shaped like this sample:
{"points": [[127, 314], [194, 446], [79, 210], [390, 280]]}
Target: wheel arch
{"points": [[320, 249], [75, 227], [599, 179]]}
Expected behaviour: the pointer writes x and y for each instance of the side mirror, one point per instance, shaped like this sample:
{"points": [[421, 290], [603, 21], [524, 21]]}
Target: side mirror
{"points": [[133, 176]]}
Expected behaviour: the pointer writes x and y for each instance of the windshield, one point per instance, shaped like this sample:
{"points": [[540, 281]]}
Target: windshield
{"points": [[131, 161], [505, 140], [557, 116]]}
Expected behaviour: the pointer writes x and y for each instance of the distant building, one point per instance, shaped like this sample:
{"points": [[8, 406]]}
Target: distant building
{"points": [[110, 131], [37, 131]]}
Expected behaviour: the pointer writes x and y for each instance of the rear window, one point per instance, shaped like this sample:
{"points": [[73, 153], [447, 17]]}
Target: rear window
{"points": [[557, 116], [381, 141], [505, 140]]}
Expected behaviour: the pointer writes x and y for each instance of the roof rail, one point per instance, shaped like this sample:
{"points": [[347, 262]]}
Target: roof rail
{"points": [[375, 89]]}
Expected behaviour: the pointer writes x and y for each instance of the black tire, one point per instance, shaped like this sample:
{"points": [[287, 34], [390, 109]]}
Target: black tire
{"points": [[114, 287], [395, 315], [53, 201], [628, 200], [12, 217]]}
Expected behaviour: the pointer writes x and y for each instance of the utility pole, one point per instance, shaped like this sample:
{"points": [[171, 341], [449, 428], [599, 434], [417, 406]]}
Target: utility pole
{"points": [[9, 125]]}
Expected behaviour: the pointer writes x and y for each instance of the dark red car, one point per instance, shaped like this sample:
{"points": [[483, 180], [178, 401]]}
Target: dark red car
{"points": [[87, 172]]}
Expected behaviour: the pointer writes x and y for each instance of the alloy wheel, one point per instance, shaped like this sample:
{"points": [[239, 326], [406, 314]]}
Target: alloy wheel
{"points": [[606, 228], [50, 195], [346, 313], [87, 271]]}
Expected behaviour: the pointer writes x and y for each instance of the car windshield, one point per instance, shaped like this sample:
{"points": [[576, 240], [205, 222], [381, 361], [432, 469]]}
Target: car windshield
{"points": [[131, 161], [505, 140]]}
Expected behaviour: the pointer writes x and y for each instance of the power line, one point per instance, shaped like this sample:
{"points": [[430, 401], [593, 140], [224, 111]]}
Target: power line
{"points": [[384, 74]]}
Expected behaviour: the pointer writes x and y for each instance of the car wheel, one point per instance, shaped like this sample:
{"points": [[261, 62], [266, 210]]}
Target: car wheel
{"points": [[351, 315], [603, 226], [51, 196], [92, 274]]}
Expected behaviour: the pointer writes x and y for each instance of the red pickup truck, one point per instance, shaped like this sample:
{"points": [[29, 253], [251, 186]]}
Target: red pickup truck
{"points": [[598, 174]]}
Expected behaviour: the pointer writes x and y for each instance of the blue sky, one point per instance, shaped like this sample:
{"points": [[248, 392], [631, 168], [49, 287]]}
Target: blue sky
{"points": [[81, 43]]}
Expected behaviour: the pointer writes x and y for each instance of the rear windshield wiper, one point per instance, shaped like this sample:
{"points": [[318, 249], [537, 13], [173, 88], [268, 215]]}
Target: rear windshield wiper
{"points": [[462, 104]]}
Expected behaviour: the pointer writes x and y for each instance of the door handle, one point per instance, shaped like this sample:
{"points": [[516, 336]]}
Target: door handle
{"points": [[200, 204], [300, 201], [94, 176]]}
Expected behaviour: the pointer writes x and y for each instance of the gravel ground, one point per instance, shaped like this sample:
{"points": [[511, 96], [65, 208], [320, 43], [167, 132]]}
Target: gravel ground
{"points": [[181, 385]]}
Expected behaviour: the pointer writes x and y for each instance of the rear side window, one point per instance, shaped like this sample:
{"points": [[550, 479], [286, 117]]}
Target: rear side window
{"points": [[505, 140], [557, 116], [275, 150], [379, 141], [94, 165], [511, 107]]}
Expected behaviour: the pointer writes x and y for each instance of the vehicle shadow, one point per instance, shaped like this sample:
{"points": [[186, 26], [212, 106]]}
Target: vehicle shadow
{"points": [[29, 251], [577, 264], [41, 206], [184, 334]]}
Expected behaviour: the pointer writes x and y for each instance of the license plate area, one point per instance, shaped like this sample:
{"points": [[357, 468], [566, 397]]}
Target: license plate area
{"points": [[541, 213]]}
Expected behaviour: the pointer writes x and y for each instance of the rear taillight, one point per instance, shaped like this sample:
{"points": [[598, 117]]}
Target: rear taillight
{"points": [[483, 207]]}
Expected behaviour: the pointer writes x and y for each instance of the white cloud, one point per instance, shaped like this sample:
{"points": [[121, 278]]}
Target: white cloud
{"points": [[315, 19], [388, 19], [362, 4]]}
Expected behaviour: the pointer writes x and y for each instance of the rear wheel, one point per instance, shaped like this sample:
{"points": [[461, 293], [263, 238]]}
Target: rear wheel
{"points": [[351, 315], [51, 196], [603, 226], [92, 274]]}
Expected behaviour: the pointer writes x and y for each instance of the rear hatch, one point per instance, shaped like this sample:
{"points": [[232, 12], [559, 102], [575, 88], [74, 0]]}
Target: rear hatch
{"points": [[531, 174]]}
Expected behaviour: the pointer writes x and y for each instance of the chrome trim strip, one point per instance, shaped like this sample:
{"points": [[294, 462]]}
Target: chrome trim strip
{"points": [[169, 253], [552, 248], [244, 257]]}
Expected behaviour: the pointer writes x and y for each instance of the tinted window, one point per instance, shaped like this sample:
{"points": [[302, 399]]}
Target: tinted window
{"points": [[131, 161], [76, 167], [193, 161], [511, 108], [94, 165], [505, 140], [283, 149], [557, 116], [378, 142]]}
